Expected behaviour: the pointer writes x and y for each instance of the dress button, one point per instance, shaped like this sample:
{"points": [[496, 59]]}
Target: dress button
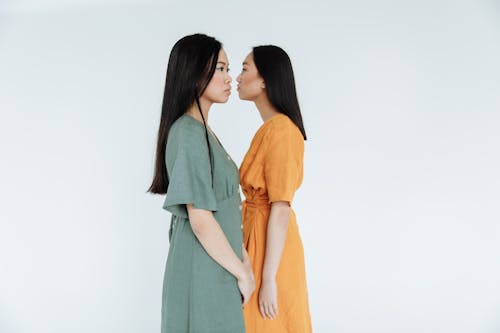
{"points": [[228, 157], [242, 227], [239, 207]]}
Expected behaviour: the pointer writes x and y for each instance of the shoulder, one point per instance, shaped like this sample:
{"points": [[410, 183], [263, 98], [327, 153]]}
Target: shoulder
{"points": [[187, 132], [187, 126], [282, 127]]}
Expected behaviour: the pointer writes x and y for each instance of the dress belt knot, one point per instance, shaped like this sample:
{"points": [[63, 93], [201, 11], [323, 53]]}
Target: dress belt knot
{"points": [[257, 201]]}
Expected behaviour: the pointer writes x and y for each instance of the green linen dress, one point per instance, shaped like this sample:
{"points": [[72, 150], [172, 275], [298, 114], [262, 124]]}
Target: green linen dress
{"points": [[199, 295]]}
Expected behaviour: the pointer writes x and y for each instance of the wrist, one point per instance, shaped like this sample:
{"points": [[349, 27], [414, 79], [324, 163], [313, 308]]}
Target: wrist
{"points": [[269, 277], [240, 272]]}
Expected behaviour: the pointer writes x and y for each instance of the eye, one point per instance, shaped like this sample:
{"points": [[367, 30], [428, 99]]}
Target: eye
{"points": [[229, 69], [220, 69]]}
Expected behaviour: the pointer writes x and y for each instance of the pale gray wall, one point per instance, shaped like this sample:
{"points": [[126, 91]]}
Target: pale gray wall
{"points": [[399, 210]]}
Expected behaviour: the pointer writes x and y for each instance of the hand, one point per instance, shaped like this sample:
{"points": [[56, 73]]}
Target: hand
{"points": [[246, 283], [268, 299]]}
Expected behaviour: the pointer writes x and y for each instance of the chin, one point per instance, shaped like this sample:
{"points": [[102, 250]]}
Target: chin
{"points": [[222, 99]]}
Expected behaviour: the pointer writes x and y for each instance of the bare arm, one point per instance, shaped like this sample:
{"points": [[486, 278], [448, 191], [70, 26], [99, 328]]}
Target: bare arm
{"points": [[276, 236], [214, 241]]}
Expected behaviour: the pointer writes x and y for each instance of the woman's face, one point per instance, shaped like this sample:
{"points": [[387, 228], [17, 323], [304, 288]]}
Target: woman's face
{"points": [[219, 87], [250, 83]]}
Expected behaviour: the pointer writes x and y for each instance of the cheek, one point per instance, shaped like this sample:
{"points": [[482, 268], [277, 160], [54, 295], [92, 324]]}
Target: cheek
{"points": [[216, 83], [220, 78], [254, 85], [214, 91], [248, 79], [251, 88]]}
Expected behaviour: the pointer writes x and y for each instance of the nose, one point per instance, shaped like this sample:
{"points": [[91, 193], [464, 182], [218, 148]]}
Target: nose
{"points": [[238, 78], [229, 79]]}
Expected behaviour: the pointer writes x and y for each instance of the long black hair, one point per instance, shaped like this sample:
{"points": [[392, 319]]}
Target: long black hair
{"points": [[191, 65], [275, 67]]}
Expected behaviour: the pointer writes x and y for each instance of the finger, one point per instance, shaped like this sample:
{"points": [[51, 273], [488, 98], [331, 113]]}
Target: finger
{"points": [[268, 311], [262, 312], [274, 310]]}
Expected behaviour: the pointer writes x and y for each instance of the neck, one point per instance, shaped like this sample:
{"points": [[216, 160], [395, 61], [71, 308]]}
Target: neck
{"points": [[194, 111], [265, 108]]}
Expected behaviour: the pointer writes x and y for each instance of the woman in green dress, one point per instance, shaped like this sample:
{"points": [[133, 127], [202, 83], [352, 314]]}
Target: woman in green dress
{"points": [[208, 274]]}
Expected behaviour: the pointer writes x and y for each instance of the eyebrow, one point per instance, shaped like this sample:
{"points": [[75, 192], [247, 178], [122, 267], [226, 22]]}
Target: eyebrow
{"points": [[221, 62], [245, 63]]}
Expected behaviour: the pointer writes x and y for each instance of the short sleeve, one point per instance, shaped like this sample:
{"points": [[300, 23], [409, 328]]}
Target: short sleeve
{"points": [[190, 179], [283, 162]]}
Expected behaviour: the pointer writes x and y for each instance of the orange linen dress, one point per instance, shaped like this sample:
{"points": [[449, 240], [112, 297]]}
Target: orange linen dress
{"points": [[272, 170]]}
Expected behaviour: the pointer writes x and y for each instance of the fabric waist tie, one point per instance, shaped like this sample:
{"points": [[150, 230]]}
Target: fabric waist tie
{"points": [[257, 202]]}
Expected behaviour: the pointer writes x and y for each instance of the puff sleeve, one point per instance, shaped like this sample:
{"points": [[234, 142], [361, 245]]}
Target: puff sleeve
{"points": [[283, 164]]}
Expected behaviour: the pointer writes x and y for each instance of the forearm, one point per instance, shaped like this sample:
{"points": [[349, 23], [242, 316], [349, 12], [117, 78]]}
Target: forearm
{"points": [[214, 241], [276, 236]]}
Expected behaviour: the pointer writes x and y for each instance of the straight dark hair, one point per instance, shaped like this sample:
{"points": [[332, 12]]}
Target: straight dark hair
{"points": [[275, 67], [191, 65]]}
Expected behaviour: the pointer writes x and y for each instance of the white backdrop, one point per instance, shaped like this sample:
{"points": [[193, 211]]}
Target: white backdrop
{"points": [[399, 210]]}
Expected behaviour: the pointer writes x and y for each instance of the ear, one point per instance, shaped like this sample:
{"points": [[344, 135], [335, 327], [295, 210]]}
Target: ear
{"points": [[263, 85]]}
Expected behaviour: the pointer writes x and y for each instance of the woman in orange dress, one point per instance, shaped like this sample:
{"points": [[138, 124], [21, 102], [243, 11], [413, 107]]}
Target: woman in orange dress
{"points": [[271, 172]]}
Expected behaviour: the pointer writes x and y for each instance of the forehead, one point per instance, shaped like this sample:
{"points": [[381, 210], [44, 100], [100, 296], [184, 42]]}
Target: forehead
{"points": [[222, 56], [248, 59]]}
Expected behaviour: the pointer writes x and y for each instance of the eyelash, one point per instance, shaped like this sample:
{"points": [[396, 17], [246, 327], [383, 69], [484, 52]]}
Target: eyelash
{"points": [[222, 69]]}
